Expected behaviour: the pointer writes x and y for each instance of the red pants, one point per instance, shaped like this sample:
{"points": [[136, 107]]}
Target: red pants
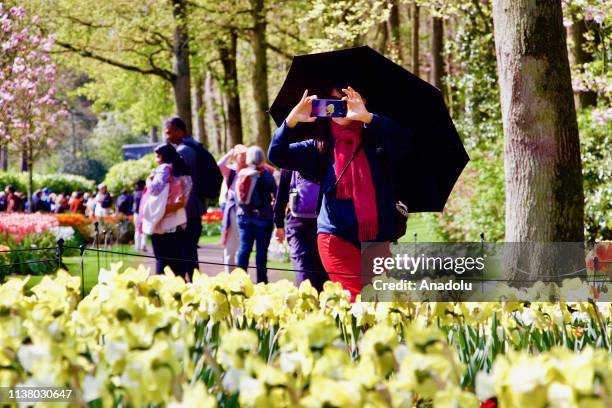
{"points": [[342, 261]]}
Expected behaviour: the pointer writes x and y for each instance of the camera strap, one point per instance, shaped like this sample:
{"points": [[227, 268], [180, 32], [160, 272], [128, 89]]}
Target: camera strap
{"points": [[359, 146]]}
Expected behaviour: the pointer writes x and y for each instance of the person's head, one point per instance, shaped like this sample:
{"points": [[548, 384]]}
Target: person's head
{"points": [[102, 188], [79, 194], [86, 196], [240, 152], [10, 189], [139, 185], [255, 157], [175, 130], [166, 153], [124, 191]]}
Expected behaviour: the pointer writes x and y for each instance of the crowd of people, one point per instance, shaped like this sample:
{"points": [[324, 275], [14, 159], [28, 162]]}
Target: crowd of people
{"points": [[95, 204]]}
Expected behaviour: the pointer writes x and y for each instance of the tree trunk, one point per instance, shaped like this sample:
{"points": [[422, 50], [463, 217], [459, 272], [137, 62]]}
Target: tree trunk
{"points": [[393, 29], [415, 38], [200, 111], [4, 157], [260, 74], [182, 81], [384, 37], [212, 108], [234, 117], [578, 57], [544, 196], [154, 135], [437, 61], [30, 164], [24, 160]]}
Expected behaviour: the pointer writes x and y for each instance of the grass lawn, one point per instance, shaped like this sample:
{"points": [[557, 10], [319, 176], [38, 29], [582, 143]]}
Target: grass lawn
{"points": [[423, 229], [90, 264]]}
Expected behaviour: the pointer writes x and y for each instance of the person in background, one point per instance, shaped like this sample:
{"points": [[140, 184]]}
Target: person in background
{"points": [[36, 201], [140, 239], [73, 197], [11, 199], [77, 204], [230, 165], [176, 134], [46, 204], [90, 204], [124, 203], [61, 203], [297, 199], [255, 190], [104, 202], [2, 201], [162, 213]]}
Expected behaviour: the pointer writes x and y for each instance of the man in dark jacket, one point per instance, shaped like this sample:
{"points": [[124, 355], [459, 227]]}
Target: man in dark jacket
{"points": [[176, 133]]}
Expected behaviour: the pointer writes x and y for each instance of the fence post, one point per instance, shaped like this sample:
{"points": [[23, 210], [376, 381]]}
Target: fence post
{"points": [[104, 232], [82, 249], [97, 241], [59, 252]]}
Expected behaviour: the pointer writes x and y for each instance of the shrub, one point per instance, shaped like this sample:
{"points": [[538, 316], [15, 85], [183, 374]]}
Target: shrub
{"points": [[58, 183], [477, 203], [595, 140], [125, 174]]}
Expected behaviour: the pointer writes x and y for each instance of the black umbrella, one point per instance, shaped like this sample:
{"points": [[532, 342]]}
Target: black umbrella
{"points": [[427, 175]]}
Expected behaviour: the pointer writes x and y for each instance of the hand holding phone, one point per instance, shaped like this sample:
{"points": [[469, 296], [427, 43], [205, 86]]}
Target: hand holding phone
{"points": [[328, 108]]}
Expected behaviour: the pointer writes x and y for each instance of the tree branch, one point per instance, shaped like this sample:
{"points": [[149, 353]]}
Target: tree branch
{"points": [[165, 74], [279, 51]]}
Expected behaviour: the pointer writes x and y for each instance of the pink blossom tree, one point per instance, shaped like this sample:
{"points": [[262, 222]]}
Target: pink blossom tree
{"points": [[30, 112]]}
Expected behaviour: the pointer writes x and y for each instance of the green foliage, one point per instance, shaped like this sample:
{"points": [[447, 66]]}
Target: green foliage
{"points": [[28, 262], [125, 174], [58, 183], [110, 135], [477, 203], [596, 139], [84, 166]]}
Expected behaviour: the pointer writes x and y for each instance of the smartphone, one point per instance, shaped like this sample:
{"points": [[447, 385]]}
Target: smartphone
{"points": [[328, 108]]}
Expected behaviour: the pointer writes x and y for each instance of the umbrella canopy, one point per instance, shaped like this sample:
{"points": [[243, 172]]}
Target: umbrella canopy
{"points": [[427, 174]]}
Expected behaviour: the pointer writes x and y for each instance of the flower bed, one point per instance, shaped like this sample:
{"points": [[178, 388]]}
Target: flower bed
{"points": [[18, 225], [137, 340]]}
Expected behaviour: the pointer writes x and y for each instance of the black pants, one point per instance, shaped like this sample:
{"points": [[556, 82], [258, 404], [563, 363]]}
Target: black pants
{"points": [[190, 243], [169, 245]]}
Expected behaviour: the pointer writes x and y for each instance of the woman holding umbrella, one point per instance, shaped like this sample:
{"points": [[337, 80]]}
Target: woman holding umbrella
{"points": [[354, 158]]}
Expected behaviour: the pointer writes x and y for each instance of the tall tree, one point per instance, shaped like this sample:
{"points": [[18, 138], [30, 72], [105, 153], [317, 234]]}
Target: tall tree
{"points": [[259, 78], [200, 111], [149, 39], [544, 196], [393, 28], [437, 59], [580, 56], [181, 78], [227, 54], [416, 10], [30, 112], [216, 130]]}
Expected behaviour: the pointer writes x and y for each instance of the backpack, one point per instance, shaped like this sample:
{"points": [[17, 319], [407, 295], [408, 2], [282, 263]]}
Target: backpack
{"points": [[255, 201], [303, 196], [208, 178]]}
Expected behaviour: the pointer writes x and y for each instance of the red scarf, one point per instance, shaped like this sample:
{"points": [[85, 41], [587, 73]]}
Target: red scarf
{"points": [[356, 183]]}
